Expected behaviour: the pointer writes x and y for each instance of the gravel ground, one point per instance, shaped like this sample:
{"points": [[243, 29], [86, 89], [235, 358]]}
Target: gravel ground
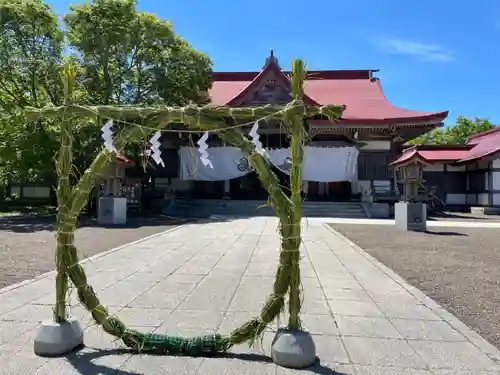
{"points": [[462, 216], [27, 243], [457, 267]]}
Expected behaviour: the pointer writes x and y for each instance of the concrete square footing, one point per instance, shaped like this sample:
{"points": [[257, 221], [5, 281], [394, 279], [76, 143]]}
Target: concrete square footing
{"points": [[410, 216], [488, 210], [55, 339], [293, 349]]}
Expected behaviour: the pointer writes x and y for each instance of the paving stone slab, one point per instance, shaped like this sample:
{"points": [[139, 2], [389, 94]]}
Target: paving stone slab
{"points": [[320, 368], [428, 330], [355, 308], [9, 330], [382, 352], [246, 365], [320, 324], [367, 327], [19, 360], [455, 355], [376, 370], [347, 295], [142, 316], [159, 365]]}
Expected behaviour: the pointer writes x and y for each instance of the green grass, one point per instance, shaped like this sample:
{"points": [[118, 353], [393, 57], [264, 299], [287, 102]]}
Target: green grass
{"points": [[28, 210], [9, 213]]}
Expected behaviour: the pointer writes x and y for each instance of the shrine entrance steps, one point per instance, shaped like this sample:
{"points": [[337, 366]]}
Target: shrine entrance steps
{"points": [[208, 207]]}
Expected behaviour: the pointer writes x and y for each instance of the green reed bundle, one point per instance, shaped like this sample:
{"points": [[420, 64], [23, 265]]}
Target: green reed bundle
{"points": [[72, 199]]}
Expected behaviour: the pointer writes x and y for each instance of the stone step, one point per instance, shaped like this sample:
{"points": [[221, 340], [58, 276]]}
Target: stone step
{"points": [[205, 208]]}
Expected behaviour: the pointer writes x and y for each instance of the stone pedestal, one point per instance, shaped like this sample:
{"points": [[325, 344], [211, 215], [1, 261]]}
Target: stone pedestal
{"points": [[293, 349], [411, 216], [55, 339], [112, 211], [366, 198]]}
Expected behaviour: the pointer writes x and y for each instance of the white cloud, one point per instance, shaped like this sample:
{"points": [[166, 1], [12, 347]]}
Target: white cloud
{"points": [[423, 51]]}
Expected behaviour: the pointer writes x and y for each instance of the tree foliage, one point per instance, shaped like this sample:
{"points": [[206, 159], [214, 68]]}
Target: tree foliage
{"points": [[458, 133], [133, 57], [30, 60], [124, 57]]}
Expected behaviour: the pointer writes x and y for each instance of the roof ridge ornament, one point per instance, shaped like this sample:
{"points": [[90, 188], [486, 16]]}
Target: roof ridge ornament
{"points": [[271, 59]]}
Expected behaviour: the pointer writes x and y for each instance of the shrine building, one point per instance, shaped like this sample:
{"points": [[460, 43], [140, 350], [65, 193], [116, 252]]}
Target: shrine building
{"points": [[344, 160], [460, 176]]}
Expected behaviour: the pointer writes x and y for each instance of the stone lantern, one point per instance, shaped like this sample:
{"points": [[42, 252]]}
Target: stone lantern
{"points": [[112, 206], [410, 213]]}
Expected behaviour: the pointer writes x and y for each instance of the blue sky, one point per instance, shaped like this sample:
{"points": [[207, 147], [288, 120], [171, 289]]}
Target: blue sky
{"points": [[433, 55]]}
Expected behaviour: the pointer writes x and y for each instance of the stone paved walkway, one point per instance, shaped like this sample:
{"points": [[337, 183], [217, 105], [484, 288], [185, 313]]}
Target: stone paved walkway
{"points": [[203, 278]]}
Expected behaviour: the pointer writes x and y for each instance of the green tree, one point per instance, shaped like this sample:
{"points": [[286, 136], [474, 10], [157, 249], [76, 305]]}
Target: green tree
{"points": [[30, 59], [124, 57], [458, 133], [133, 57]]}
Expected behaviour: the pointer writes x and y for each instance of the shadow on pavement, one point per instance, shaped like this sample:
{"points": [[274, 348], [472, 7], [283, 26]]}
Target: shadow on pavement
{"points": [[84, 361], [30, 224], [455, 234], [317, 368], [462, 217]]}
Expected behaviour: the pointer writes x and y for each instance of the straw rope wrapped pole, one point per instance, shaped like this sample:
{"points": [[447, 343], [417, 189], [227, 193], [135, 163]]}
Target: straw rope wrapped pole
{"points": [[65, 223], [296, 125]]}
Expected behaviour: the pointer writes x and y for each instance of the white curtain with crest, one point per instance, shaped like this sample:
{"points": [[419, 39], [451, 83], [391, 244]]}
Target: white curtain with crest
{"points": [[321, 164], [227, 163]]}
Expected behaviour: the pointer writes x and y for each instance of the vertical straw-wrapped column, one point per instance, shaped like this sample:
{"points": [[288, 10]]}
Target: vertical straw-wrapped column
{"points": [[65, 221], [296, 126]]}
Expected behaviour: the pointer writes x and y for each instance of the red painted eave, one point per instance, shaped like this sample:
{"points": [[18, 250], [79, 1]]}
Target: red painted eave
{"points": [[440, 153], [443, 155], [409, 157], [431, 118]]}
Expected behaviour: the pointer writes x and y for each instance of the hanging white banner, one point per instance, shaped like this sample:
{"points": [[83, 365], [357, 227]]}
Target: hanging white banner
{"points": [[280, 158], [329, 164], [226, 163], [320, 164]]}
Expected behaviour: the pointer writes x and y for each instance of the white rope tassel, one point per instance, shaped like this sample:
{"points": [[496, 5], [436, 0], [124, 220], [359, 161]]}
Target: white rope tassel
{"points": [[256, 139], [107, 136], [202, 149], [155, 149]]}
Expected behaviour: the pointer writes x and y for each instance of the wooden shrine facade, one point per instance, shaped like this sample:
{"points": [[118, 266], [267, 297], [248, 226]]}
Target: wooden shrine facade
{"points": [[370, 123]]}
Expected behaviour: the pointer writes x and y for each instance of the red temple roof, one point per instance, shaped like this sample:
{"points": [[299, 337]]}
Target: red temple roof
{"points": [[357, 89], [479, 146], [410, 156], [432, 153], [485, 144], [444, 155]]}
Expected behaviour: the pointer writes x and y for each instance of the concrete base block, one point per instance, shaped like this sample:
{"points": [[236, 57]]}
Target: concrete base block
{"points": [[488, 210], [112, 211], [293, 349], [54, 339], [411, 216]]}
